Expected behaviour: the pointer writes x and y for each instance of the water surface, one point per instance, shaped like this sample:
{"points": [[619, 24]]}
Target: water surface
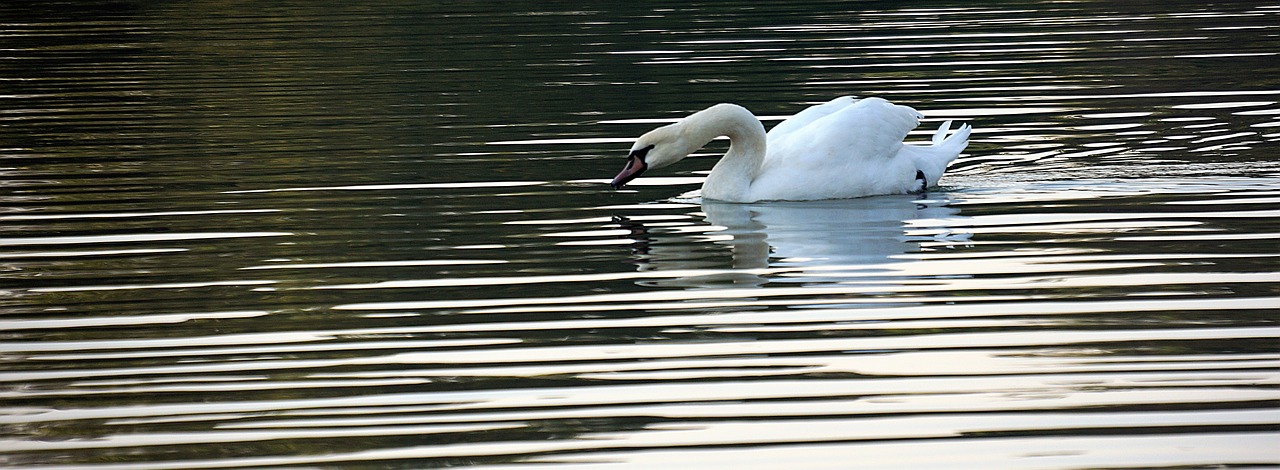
{"points": [[378, 235]]}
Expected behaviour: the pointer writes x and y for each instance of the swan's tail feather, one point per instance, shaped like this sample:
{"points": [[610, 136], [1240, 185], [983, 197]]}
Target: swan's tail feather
{"points": [[932, 160], [956, 142], [939, 136], [945, 147]]}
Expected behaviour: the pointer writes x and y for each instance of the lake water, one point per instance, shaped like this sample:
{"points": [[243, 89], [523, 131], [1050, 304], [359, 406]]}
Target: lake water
{"points": [[379, 235]]}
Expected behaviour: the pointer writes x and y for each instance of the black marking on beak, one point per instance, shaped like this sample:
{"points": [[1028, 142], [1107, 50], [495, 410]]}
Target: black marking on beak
{"points": [[635, 166]]}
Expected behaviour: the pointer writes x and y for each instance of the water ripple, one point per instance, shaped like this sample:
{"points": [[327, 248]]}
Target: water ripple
{"points": [[379, 235]]}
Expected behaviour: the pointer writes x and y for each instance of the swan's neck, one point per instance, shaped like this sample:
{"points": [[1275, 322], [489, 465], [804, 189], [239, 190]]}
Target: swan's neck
{"points": [[731, 178]]}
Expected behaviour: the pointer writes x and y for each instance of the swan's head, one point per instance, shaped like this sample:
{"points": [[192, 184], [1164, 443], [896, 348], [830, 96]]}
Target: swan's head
{"points": [[657, 148]]}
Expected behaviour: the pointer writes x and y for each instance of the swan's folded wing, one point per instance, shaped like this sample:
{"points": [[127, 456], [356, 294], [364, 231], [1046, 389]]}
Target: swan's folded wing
{"points": [[868, 130], [808, 116]]}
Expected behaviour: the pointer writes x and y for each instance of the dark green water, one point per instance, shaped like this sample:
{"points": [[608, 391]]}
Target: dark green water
{"points": [[378, 235]]}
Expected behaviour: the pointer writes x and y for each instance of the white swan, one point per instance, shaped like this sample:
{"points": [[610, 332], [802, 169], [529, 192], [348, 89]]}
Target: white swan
{"points": [[844, 148]]}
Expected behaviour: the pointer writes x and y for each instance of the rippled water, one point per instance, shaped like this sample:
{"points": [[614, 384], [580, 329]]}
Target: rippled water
{"points": [[377, 235]]}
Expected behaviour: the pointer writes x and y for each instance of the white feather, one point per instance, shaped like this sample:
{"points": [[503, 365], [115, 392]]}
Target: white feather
{"points": [[844, 148]]}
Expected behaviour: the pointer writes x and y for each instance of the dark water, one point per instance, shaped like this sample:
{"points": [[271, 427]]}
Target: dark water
{"points": [[377, 235]]}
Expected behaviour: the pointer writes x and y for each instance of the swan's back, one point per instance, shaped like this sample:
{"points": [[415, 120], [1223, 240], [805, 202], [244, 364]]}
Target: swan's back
{"points": [[840, 149], [843, 127], [806, 117]]}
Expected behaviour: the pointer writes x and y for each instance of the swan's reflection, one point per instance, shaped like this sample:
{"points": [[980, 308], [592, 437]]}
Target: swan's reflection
{"points": [[839, 235]]}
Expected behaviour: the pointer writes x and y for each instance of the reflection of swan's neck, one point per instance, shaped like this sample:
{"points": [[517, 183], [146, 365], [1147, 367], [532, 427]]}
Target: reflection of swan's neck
{"points": [[731, 178]]}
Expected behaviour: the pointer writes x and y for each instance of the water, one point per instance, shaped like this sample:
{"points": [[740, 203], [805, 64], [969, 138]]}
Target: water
{"points": [[378, 235]]}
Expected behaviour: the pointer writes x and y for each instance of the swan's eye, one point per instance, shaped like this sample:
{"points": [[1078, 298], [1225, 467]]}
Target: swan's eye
{"points": [[641, 152]]}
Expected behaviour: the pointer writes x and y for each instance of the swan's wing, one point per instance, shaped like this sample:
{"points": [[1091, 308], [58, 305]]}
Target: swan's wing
{"points": [[867, 130], [808, 116], [852, 152]]}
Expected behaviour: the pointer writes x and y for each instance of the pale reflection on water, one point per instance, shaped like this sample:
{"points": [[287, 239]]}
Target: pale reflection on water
{"points": [[378, 235], [853, 235]]}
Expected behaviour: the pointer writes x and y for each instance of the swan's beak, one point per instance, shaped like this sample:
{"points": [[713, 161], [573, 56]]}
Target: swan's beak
{"points": [[635, 166]]}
